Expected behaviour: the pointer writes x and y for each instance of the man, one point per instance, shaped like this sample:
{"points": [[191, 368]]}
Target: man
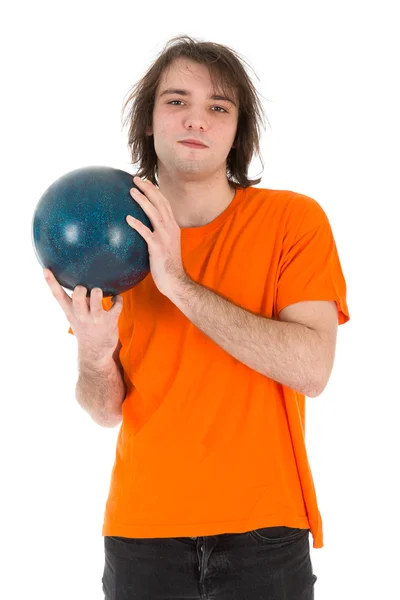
{"points": [[208, 360]]}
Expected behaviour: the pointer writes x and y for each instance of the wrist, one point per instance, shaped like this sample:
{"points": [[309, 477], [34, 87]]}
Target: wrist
{"points": [[180, 289], [93, 360]]}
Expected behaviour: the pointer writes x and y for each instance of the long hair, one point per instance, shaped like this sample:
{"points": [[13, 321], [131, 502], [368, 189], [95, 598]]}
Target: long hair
{"points": [[227, 72]]}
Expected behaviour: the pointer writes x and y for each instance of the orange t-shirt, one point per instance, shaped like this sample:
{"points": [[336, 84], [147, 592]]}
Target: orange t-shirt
{"points": [[207, 445]]}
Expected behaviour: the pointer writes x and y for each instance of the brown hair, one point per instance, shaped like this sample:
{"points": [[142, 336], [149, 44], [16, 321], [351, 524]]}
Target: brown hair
{"points": [[226, 70]]}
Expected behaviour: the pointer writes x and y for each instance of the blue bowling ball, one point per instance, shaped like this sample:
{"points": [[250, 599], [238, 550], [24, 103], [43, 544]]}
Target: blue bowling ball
{"points": [[80, 233]]}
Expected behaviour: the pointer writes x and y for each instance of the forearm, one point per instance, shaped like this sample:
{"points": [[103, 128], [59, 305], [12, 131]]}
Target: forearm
{"points": [[285, 352], [100, 390]]}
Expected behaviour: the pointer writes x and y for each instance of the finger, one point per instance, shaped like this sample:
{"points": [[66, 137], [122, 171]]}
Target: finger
{"points": [[58, 292], [152, 211], [80, 302], [150, 195], [157, 198], [96, 302], [140, 228]]}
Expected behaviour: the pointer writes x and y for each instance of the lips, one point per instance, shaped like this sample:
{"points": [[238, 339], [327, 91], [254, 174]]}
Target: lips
{"points": [[193, 143]]}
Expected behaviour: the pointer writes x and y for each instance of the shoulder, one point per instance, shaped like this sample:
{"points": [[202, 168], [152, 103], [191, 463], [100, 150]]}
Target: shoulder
{"points": [[304, 211], [289, 207]]}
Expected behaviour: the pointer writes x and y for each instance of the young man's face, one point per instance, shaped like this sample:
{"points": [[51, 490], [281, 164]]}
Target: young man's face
{"points": [[191, 112]]}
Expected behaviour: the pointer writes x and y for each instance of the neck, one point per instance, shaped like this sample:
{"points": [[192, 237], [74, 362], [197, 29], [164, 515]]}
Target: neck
{"points": [[194, 201]]}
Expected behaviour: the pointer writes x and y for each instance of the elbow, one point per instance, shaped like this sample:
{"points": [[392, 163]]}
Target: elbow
{"points": [[109, 422], [313, 393], [318, 388], [113, 415], [109, 418], [114, 423]]}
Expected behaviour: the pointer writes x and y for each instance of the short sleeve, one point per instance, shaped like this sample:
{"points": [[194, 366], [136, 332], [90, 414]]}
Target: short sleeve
{"points": [[106, 305], [309, 267]]}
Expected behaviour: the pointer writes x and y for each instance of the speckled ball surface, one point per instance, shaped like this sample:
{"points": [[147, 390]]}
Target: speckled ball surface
{"points": [[80, 233]]}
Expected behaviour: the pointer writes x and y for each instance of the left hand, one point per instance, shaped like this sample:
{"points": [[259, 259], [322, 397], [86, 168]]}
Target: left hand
{"points": [[164, 243]]}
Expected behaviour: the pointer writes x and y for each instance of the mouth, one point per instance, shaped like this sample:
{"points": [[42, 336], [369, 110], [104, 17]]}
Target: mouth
{"points": [[192, 144]]}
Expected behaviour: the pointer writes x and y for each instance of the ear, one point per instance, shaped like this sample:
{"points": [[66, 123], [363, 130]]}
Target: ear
{"points": [[149, 131]]}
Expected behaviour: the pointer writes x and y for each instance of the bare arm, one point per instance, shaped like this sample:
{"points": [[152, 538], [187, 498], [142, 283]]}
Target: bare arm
{"points": [[290, 353], [100, 389]]}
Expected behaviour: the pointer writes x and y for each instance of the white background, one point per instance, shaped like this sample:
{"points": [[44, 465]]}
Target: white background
{"points": [[329, 76]]}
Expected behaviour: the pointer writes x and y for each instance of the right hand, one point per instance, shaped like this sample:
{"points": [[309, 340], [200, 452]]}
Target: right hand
{"points": [[96, 329]]}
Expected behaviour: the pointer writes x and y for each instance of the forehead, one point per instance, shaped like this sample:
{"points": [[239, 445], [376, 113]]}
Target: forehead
{"points": [[185, 69]]}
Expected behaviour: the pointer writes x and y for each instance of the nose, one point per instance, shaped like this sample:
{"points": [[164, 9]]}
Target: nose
{"points": [[195, 125], [196, 121]]}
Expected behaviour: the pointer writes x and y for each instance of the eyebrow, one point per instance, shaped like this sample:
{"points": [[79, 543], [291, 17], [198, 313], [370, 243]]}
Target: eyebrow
{"points": [[187, 93]]}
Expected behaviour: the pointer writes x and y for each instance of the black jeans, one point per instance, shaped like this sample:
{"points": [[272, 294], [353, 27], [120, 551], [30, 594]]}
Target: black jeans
{"points": [[271, 563]]}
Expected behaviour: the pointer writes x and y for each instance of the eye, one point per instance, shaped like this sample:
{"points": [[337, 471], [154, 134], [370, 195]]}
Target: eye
{"points": [[219, 107]]}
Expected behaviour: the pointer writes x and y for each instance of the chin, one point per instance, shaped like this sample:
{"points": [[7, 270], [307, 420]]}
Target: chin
{"points": [[188, 167]]}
